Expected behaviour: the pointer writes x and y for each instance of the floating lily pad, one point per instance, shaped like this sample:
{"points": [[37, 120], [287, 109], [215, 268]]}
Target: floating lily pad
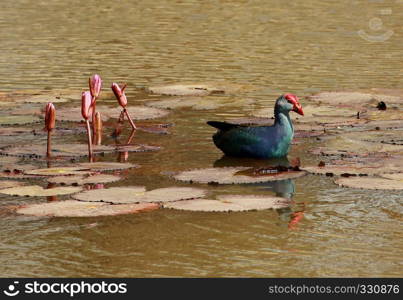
{"points": [[384, 115], [106, 166], [71, 208], [58, 171], [18, 175], [353, 99], [354, 145], [18, 120], [195, 89], [56, 96], [229, 203], [81, 180], [344, 170], [58, 150], [118, 195], [200, 103], [6, 160], [11, 131], [38, 191], [233, 175], [394, 176], [157, 129], [370, 183], [73, 114], [4, 184], [17, 168], [136, 148]]}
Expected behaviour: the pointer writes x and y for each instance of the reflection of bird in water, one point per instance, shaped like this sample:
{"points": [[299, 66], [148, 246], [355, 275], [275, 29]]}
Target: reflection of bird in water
{"points": [[282, 188]]}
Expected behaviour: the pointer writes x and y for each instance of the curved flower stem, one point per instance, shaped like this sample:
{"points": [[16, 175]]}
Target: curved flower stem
{"points": [[89, 140], [130, 119], [49, 146]]}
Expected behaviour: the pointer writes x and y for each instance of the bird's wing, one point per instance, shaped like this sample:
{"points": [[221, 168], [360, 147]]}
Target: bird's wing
{"points": [[224, 126]]}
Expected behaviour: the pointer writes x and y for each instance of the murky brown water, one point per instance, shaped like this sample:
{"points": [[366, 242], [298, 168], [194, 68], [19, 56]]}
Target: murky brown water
{"points": [[271, 46]]}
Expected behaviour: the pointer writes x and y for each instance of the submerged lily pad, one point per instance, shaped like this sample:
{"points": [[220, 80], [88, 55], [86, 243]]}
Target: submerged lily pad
{"points": [[343, 170], [229, 203], [71, 208], [58, 171], [82, 180], [106, 166], [370, 183], [4, 184], [11, 131], [38, 191], [233, 175], [58, 150], [18, 120], [56, 96], [121, 195], [17, 168]]}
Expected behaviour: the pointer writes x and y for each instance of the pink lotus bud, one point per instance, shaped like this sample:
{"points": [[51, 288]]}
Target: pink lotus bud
{"points": [[95, 83], [50, 116], [86, 105], [120, 94]]}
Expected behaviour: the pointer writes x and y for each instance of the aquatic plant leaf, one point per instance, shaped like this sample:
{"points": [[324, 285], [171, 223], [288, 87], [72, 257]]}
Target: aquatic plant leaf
{"points": [[11, 131], [6, 160], [232, 175], [136, 148], [71, 208], [394, 176], [191, 89], [353, 99], [370, 183], [18, 120], [106, 166], [4, 184], [56, 96], [38, 191], [58, 150], [73, 114], [17, 168], [145, 112], [384, 115], [126, 195], [227, 203], [81, 180], [344, 170], [112, 195], [199, 103], [58, 171]]}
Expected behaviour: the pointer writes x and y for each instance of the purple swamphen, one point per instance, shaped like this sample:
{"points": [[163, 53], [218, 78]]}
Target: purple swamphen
{"points": [[259, 141]]}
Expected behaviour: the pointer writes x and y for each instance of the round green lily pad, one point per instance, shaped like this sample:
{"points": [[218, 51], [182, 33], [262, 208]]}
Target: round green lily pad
{"points": [[106, 166], [233, 175], [71, 208], [229, 203], [38, 191], [82, 180], [370, 183], [124, 195]]}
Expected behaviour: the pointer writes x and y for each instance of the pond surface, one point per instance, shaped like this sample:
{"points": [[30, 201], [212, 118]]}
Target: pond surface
{"points": [[270, 47]]}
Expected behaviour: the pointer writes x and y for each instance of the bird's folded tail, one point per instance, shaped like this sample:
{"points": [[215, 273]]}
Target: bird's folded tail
{"points": [[224, 126]]}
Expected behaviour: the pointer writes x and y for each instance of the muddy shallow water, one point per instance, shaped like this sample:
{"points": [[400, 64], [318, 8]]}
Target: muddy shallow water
{"points": [[270, 47]]}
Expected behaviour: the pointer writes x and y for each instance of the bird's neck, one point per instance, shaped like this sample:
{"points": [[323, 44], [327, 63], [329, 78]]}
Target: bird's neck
{"points": [[283, 119]]}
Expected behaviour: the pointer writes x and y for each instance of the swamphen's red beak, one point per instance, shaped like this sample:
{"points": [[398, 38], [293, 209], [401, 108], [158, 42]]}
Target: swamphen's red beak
{"points": [[295, 102]]}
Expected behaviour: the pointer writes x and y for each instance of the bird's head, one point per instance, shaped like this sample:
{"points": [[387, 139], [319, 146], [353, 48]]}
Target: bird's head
{"points": [[289, 102]]}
